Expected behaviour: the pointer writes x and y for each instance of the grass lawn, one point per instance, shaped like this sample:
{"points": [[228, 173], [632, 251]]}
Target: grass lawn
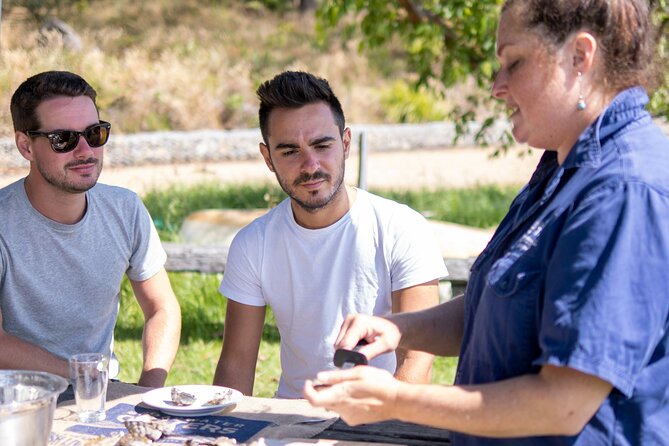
{"points": [[203, 308]]}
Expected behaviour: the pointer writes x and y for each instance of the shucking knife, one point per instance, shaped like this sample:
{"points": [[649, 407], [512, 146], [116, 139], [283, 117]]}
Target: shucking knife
{"points": [[346, 359]]}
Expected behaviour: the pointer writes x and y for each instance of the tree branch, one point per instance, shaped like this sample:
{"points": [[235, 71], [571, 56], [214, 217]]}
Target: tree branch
{"points": [[418, 14]]}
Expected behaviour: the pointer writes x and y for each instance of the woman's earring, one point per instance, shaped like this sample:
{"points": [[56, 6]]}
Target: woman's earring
{"points": [[581, 105]]}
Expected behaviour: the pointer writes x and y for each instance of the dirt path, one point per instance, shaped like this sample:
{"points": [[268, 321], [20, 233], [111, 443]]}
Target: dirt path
{"points": [[453, 167]]}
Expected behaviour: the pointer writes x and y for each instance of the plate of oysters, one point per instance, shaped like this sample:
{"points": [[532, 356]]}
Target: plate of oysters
{"points": [[194, 400]]}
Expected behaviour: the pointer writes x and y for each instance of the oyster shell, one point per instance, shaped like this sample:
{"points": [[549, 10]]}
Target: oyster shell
{"points": [[202, 441], [181, 398], [219, 398], [103, 441], [147, 427], [133, 440]]}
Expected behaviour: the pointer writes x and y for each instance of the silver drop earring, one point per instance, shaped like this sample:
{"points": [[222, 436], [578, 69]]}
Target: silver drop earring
{"points": [[581, 105]]}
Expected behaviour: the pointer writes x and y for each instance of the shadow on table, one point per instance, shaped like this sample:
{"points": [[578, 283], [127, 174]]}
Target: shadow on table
{"points": [[395, 432]]}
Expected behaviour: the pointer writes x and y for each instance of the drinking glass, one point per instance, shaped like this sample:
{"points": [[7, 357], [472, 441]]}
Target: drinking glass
{"points": [[88, 374]]}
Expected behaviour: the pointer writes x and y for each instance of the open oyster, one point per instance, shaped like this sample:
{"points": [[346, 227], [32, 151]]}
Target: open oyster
{"points": [[181, 398], [219, 398]]}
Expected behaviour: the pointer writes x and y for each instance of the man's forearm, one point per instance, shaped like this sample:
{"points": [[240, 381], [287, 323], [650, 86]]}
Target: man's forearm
{"points": [[160, 343], [229, 375], [16, 353], [414, 366]]}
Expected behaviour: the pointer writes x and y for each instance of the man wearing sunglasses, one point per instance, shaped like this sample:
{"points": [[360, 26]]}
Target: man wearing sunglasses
{"points": [[66, 242]]}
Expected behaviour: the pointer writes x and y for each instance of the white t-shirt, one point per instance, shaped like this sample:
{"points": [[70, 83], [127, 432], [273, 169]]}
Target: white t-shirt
{"points": [[312, 279]]}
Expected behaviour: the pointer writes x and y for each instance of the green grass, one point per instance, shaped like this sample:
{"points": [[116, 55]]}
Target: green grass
{"points": [[203, 314], [170, 206], [203, 308], [481, 207]]}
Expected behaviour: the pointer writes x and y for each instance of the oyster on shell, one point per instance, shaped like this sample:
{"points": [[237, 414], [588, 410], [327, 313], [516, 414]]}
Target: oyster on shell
{"points": [[181, 398], [146, 426], [220, 441], [219, 398]]}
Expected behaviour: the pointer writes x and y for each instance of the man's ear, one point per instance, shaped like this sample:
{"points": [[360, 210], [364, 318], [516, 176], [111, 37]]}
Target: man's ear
{"points": [[346, 139], [584, 50], [264, 151], [24, 144]]}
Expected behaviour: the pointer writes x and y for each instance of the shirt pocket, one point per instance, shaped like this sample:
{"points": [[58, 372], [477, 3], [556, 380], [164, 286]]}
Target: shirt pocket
{"points": [[509, 312], [516, 271], [514, 278]]}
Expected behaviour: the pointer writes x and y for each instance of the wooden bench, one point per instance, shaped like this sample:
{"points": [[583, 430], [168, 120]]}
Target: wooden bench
{"points": [[212, 259]]}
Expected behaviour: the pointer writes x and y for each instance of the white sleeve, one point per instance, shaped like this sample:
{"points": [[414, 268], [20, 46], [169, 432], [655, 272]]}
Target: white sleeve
{"points": [[241, 280], [415, 254]]}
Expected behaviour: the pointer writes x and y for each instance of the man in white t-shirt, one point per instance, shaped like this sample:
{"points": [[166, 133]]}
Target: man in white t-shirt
{"points": [[326, 251]]}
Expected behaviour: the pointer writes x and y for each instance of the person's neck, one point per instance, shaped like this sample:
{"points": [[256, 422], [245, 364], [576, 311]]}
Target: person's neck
{"points": [[584, 119], [57, 205], [327, 215]]}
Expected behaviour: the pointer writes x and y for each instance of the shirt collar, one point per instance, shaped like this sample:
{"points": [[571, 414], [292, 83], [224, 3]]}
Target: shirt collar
{"points": [[627, 106]]}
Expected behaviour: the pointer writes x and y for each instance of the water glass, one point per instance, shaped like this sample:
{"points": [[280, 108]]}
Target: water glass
{"points": [[88, 374]]}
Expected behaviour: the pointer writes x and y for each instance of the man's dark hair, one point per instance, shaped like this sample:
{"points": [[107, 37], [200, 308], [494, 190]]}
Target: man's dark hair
{"points": [[295, 89], [41, 87]]}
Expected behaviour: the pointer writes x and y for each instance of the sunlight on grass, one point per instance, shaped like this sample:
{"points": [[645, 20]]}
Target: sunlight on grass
{"points": [[481, 207], [203, 313]]}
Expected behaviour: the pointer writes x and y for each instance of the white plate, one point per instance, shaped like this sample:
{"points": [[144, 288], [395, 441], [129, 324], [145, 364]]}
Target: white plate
{"points": [[161, 399]]}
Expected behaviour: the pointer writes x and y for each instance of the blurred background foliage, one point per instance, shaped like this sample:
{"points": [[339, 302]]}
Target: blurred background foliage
{"points": [[453, 43], [195, 64], [192, 64]]}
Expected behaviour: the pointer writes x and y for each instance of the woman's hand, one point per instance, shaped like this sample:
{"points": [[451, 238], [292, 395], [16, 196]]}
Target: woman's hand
{"points": [[382, 335], [360, 395]]}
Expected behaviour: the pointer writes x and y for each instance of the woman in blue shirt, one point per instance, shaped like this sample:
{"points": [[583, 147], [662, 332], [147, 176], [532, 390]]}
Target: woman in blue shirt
{"points": [[563, 332]]}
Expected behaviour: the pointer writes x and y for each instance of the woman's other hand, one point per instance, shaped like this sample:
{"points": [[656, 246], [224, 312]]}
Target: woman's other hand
{"points": [[359, 395]]}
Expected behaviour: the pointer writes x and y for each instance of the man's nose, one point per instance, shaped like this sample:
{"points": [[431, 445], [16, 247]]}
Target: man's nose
{"points": [[310, 161], [83, 149]]}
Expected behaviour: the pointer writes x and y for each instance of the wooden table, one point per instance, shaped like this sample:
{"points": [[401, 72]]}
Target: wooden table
{"points": [[278, 421]]}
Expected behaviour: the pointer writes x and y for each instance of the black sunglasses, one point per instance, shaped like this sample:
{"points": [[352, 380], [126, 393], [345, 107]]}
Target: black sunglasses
{"points": [[63, 141]]}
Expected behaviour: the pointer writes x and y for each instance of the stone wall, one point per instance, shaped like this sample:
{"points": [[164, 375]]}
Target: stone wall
{"points": [[221, 145]]}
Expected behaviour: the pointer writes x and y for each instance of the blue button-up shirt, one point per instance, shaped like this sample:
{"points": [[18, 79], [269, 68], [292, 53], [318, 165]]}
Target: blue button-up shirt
{"points": [[577, 275]]}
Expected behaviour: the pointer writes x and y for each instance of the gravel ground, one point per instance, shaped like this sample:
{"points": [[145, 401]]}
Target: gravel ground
{"points": [[416, 169]]}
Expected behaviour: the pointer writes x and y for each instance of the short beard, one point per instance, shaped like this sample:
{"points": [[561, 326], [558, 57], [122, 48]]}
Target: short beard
{"points": [[315, 206], [63, 184]]}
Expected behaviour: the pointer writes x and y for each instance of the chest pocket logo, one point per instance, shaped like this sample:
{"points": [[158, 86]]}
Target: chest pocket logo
{"points": [[515, 269]]}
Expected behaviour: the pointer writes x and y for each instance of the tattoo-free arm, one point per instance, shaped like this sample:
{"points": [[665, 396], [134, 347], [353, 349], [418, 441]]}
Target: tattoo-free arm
{"points": [[236, 366], [556, 401], [18, 354], [162, 327], [412, 365], [436, 330]]}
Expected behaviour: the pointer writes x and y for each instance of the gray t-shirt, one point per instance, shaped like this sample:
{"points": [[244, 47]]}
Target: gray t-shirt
{"points": [[60, 284]]}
